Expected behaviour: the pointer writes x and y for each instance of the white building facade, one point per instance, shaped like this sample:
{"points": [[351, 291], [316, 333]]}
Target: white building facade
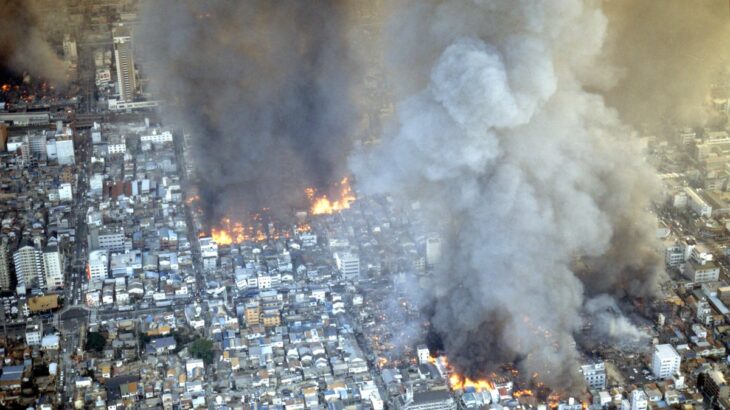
{"points": [[665, 361]]}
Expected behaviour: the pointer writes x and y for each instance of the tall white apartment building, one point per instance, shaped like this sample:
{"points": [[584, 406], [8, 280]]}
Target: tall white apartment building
{"points": [[4, 265], [98, 268], [53, 267], [348, 263], [29, 265], [124, 59], [665, 361]]}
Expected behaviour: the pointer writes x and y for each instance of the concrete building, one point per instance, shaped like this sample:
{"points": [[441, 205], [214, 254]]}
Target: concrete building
{"points": [[157, 137], [37, 143], [429, 400], [704, 311], [50, 342], [665, 361], [117, 146], [697, 203], [348, 263], [209, 253], [65, 151], [5, 278], [423, 354], [639, 401], [716, 143], [29, 264], [674, 255], [700, 253], [433, 251], [270, 318], [123, 56], [24, 119], [110, 238], [713, 386], [595, 375], [53, 266], [252, 313], [70, 53], [65, 192], [98, 267], [96, 184], [701, 273], [34, 333]]}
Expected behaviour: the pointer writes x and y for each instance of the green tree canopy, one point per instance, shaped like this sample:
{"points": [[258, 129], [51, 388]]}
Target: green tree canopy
{"points": [[202, 349], [95, 341]]}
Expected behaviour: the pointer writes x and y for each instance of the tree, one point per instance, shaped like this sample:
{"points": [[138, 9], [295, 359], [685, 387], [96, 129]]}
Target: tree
{"points": [[95, 341], [202, 349], [181, 340]]}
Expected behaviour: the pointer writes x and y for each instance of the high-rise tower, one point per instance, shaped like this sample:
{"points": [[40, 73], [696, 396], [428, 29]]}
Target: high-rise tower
{"points": [[125, 63]]}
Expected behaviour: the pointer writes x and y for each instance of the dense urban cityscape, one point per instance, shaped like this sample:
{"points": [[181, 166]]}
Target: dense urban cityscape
{"points": [[130, 280]]}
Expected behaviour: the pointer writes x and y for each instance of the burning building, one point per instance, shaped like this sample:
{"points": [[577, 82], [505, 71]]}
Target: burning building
{"points": [[501, 138], [264, 88]]}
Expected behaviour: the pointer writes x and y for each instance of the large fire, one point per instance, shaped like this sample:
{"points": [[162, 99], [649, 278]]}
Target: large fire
{"points": [[461, 382], [221, 237], [522, 393], [229, 233], [235, 232], [255, 230], [322, 205]]}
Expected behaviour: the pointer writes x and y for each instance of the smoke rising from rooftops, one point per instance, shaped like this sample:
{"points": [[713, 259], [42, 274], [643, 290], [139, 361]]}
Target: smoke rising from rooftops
{"points": [[264, 89], [540, 188]]}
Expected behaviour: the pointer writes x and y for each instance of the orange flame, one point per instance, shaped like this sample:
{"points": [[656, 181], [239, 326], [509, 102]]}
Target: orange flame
{"points": [[228, 233], [6, 88], [221, 237], [192, 199], [520, 393], [553, 400], [323, 205], [460, 382]]}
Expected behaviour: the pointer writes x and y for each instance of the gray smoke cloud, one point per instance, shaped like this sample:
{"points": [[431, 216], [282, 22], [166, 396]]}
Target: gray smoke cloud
{"points": [[23, 46], [538, 188], [610, 326], [667, 56], [264, 89]]}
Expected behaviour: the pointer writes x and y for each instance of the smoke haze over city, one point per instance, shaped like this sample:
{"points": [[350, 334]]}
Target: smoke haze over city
{"points": [[526, 173], [365, 204], [23, 47], [263, 87], [514, 132]]}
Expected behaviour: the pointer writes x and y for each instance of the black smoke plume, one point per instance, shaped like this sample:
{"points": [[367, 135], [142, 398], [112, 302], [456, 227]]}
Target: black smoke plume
{"points": [[23, 46], [263, 87]]}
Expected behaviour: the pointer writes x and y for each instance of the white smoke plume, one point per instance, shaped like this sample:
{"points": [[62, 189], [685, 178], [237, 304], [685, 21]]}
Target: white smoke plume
{"points": [[527, 173], [610, 326]]}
